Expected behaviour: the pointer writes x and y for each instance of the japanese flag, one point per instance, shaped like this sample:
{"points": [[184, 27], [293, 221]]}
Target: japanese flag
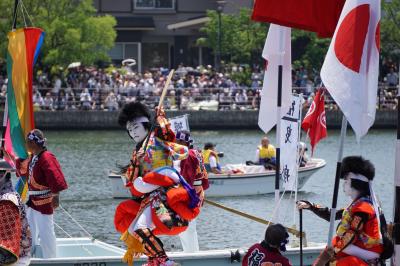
{"points": [[277, 51], [351, 67]]}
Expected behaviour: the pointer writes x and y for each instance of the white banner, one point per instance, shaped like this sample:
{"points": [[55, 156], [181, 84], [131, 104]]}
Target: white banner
{"points": [[179, 123], [289, 141], [277, 51]]}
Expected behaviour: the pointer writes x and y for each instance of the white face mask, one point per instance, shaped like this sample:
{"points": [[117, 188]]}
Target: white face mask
{"points": [[349, 190], [136, 131]]}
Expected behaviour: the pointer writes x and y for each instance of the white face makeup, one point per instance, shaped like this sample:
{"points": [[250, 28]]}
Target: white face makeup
{"points": [[348, 190], [136, 131]]}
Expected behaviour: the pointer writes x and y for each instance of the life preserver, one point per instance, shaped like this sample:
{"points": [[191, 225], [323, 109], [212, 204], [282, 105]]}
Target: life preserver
{"points": [[206, 155], [266, 152]]}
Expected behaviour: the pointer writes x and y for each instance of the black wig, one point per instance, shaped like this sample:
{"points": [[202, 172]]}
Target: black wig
{"points": [[358, 165], [133, 110]]}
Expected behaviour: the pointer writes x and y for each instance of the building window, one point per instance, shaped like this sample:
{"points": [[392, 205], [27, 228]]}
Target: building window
{"points": [[155, 55], [117, 52], [154, 4], [122, 51]]}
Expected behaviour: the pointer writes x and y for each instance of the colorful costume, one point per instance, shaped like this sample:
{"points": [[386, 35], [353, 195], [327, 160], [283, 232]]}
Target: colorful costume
{"points": [[15, 238], [193, 170], [358, 238], [163, 203]]}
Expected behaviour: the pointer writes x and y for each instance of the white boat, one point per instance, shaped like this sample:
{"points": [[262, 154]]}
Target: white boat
{"points": [[87, 252], [254, 180]]}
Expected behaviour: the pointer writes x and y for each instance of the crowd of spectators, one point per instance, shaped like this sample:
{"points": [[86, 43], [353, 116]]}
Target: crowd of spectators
{"points": [[198, 88]]}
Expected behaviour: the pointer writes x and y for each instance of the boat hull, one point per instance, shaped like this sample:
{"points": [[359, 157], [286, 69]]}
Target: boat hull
{"points": [[85, 252], [234, 184]]}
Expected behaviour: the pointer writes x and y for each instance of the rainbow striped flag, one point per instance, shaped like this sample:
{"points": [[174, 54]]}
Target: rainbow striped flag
{"points": [[23, 49]]}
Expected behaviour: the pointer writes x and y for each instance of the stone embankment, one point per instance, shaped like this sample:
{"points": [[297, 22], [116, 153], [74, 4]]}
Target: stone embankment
{"points": [[198, 119]]}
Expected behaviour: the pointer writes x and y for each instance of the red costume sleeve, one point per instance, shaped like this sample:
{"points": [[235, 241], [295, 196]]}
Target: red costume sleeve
{"points": [[188, 168], [51, 170], [21, 167], [349, 237]]}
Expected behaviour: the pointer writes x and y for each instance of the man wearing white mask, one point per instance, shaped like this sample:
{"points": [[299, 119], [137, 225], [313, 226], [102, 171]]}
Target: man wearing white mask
{"points": [[162, 201], [359, 237]]}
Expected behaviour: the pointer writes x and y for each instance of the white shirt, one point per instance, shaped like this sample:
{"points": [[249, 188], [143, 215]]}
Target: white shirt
{"points": [[213, 162]]}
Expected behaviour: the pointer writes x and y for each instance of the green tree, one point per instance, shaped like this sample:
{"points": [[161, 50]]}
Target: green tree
{"points": [[390, 33], [73, 30], [241, 37], [243, 40]]}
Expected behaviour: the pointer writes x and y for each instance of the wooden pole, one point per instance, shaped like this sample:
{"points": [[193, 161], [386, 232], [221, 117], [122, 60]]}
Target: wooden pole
{"points": [[252, 217]]}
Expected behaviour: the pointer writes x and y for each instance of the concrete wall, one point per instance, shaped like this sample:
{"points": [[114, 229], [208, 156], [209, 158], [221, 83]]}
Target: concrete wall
{"points": [[198, 119]]}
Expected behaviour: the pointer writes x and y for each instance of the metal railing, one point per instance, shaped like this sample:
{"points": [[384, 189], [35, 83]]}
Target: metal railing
{"points": [[184, 99]]}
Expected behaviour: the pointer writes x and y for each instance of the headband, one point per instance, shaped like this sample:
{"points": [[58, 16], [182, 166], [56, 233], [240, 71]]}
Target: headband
{"points": [[140, 119], [39, 141], [358, 177]]}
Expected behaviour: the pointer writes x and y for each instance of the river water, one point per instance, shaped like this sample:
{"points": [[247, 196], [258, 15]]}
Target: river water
{"points": [[87, 156]]}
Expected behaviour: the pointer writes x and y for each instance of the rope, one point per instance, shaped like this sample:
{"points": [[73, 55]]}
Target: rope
{"points": [[27, 13], [22, 12], [15, 17], [65, 232], [76, 242], [77, 223]]}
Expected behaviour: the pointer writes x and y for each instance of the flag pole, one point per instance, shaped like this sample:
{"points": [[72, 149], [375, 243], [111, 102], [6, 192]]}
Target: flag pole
{"points": [[337, 179], [278, 122], [396, 204]]}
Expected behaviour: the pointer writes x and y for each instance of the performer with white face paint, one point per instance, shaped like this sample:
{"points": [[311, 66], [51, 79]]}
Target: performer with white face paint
{"points": [[162, 201], [360, 239]]}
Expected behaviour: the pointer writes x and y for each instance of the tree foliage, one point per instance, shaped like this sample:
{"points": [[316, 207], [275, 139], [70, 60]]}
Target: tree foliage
{"points": [[243, 40], [73, 30], [241, 37], [390, 33]]}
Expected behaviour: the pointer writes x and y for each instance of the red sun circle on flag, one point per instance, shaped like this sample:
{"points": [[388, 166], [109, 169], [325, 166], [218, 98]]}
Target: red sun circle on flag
{"points": [[311, 110], [378, 36], [351, 35], [322, 119]]}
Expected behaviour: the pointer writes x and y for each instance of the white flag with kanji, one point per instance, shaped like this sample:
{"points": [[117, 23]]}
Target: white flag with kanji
{"points": [[351, 67], [289, 139], [277, 51]]}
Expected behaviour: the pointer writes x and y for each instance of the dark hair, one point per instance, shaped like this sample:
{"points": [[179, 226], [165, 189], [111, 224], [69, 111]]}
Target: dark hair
{"points": [[133, 110], [208, 146], [276, 235], [361, 166]]}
